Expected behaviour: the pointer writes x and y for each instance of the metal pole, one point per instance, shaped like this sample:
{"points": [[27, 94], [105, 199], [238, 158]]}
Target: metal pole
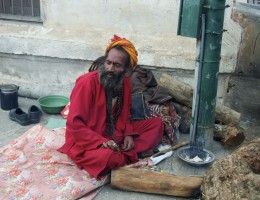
{"points": [[198, 75], [22, 7], [12, 9], [32, 7], [214, 11]]}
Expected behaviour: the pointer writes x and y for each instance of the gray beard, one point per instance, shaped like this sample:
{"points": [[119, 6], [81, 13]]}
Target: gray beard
{"points": [[111, 84]]}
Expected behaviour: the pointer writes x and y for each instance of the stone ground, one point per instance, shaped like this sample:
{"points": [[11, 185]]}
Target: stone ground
{"points": [[10, 130]]}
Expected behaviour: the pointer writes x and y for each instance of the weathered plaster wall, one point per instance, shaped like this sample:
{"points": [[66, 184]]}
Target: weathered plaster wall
{"points": [[244, 86], [39, 76], [248, 63], [79, 31]]}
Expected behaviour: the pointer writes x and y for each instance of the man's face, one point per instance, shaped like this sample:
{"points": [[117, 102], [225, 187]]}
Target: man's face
{"points": [[115, 61], [114, 69]]}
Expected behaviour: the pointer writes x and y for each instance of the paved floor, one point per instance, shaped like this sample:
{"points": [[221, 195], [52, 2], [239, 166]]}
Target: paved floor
{"points": [[10, 130]]}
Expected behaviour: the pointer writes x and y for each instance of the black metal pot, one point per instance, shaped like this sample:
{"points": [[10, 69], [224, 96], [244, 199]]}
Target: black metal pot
{"points": [[9, 96]]}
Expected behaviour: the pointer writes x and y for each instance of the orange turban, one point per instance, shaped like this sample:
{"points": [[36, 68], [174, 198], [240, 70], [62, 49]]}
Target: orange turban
{"points": [[127, 46]]}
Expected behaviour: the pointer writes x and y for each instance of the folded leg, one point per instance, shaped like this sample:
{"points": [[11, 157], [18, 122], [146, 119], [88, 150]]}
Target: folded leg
{"points": [[151, 131]]}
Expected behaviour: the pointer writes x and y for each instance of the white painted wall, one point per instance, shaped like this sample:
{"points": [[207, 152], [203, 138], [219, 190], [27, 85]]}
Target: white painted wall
{"points": [[82, 29], [127, 16]]}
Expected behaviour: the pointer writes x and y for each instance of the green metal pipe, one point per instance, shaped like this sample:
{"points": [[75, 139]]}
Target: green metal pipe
{"points": [[214, 11]]}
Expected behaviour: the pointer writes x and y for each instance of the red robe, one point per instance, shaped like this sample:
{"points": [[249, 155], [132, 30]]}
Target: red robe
{"points": [[86, 127]]}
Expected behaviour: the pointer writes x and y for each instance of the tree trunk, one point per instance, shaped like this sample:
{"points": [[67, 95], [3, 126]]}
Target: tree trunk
{"points": [[229, 134], [185, 113], [142, 180], [180, 91], [183, 93]]}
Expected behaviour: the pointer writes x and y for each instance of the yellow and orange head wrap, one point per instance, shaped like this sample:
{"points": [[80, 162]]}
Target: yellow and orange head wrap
{"points": [[127, 46]]}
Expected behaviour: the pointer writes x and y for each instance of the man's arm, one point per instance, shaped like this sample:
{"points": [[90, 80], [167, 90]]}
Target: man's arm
{"points": [[79, 118]]}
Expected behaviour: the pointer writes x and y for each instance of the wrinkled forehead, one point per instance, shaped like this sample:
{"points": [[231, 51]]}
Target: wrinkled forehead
{"points": [[117, 56]]}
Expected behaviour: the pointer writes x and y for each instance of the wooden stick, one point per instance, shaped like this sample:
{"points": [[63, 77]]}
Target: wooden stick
{"points": [[171, 148]]}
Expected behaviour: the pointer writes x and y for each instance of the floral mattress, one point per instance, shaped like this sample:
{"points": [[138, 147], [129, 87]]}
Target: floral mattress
{"points": [[31, 169]]}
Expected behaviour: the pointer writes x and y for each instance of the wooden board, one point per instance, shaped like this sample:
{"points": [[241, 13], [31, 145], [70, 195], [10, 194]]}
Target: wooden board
{"points": [[147, 181]]}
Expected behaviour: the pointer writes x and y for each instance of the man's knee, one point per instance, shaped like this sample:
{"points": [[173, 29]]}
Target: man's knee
{"points": [[157, 122], [116, 160]]}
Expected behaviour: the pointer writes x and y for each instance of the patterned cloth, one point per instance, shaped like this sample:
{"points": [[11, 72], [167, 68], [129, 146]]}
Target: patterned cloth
{"points": [[170, 119], [127, 46], [31, 168]]}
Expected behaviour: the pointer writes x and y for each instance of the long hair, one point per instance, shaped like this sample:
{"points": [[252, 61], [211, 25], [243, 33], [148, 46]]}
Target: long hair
{"points": [[111, 117]]}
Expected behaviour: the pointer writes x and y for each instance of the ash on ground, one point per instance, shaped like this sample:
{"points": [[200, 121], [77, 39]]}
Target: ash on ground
{"points": [[196, 153], [198, 159]]}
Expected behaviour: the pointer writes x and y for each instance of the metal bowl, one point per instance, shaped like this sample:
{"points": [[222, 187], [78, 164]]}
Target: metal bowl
{"points": [[53, 104], [184, 152]]}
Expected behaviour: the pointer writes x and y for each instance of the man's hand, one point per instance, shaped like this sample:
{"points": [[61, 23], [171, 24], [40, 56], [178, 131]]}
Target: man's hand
{"points": [[110, 144], [128, 143]]}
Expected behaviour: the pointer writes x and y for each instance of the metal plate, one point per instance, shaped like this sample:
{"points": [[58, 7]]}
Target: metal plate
{"points": [[183, 152]]}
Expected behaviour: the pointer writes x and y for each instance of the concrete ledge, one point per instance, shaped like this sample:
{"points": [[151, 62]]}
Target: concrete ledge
{"points": [[166, 50], [38, 76]]}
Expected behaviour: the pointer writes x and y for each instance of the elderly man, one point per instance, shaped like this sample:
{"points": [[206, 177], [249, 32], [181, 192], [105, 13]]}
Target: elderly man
{"points": [[99, 132]]}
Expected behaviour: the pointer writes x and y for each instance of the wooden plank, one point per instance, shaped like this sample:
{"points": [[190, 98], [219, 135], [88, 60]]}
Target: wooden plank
{"points": [[147, 181]]}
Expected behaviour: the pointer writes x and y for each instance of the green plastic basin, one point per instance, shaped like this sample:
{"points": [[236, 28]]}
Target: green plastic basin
{"points": [[53, 104]]}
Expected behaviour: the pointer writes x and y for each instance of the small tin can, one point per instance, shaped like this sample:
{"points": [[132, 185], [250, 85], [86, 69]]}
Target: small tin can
{"points": [[9, 96]]}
